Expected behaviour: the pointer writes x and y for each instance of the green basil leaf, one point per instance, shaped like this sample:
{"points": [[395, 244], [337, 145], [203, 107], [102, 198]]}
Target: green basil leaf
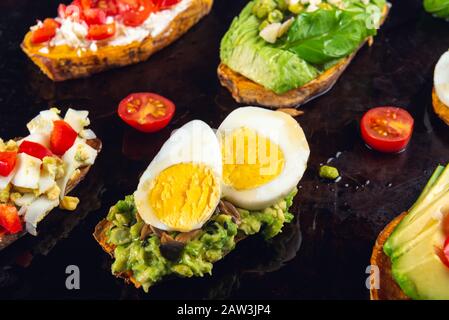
{"points": [[325, 35], [439, 8]]}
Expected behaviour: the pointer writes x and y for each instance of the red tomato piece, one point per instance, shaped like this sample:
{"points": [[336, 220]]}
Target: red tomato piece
{"points": [[34, 149], [7, 162], [61, 10], [45, 32], [62, 137], [108, 6], [134, 12], [94, 16], [9, 218], [387, 129], [101, 31], [147, 112]]}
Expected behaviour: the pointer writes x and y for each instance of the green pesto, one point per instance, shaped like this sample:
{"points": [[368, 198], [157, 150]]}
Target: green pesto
{"points": [[216, 239]]}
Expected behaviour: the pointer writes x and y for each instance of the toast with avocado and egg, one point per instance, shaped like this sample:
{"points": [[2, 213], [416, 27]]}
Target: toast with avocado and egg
{"points": [[38, 171], [92, 36], [440, 92], [282, 53], [412, 252], [204, 192]]}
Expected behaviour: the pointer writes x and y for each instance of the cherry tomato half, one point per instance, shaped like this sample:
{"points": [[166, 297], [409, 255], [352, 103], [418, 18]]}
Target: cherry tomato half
{"points": [[7, 162], [34, 149], [62, 137], [147, 112], [134, 12], [387, 129], [45, 32], [9, 219]]}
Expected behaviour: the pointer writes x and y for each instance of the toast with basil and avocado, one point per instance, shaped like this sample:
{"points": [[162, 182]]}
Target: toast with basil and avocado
{"points": [[282, 53], [40, 170], [412, 252], [203, 193]]}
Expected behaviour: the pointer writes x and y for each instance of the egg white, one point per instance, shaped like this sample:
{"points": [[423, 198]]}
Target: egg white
{"points": [[441, 78], [281, 129], [196, 143], [28, 171]]}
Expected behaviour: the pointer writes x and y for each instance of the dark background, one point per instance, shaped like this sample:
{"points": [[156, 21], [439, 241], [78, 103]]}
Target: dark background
{"points": [[337, 222]]}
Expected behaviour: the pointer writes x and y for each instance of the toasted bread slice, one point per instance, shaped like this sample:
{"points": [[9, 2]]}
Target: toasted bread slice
{"points": [[388, 288], [63, 63], [440, 108], [7, 239], [246, 91]]}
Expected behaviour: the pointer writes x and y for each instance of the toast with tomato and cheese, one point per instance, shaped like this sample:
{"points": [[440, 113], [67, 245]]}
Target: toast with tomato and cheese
{"points": [[38, 171], [283, 53], [440, 92], [90, 36]]}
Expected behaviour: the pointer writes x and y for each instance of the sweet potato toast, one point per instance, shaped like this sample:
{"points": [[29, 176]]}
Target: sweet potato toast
{"points": [[246, 91], [440, 108], [388, 288], [63, 63], [7, 239]]}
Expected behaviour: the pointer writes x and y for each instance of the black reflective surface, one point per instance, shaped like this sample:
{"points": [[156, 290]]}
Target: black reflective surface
{"points": [[324, 253]]}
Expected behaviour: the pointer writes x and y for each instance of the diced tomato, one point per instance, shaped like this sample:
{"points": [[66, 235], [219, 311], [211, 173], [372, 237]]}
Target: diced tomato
{"points": [[62, 137], [443, 254], [7, 162], [45, 32], [9, 218], [446, 251], [165, 4], [73, 11], [61, 10], [147, 112], [134, 12], [101, 31], [387, 129], [94, 16], [108, 6], [34, 149], [86, 4]]}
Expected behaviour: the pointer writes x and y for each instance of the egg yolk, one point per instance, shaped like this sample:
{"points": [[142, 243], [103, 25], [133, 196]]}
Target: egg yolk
{"points": [[249, 159], [184, 195]]}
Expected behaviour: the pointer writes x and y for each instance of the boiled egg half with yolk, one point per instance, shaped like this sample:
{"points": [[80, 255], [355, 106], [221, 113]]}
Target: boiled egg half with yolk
{"points": [[264, 155], [181, 187], [441, 78]]}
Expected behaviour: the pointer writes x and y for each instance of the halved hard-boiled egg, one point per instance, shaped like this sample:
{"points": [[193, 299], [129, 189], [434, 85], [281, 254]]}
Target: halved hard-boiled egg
{"points": [[264, 155], [181, 187], [441, 78]]}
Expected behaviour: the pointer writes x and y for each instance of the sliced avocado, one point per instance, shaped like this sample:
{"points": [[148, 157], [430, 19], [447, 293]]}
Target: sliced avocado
{"points": [[244, 51], [419, 272], [436, 189], [412, 232]]}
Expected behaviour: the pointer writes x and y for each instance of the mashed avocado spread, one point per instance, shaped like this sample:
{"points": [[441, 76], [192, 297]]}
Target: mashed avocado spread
{"points": [[217, 237]]}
